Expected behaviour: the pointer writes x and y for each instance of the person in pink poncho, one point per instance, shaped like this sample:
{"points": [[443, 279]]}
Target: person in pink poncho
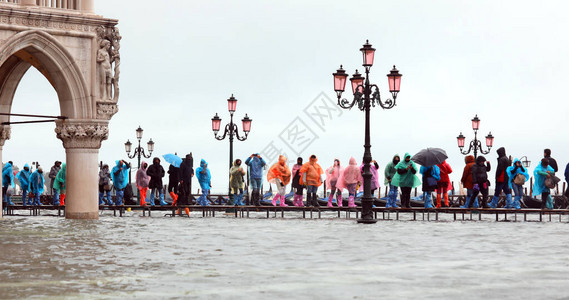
{"points": [[142, 180], [373, 168], [350, 179], [332, 175]]}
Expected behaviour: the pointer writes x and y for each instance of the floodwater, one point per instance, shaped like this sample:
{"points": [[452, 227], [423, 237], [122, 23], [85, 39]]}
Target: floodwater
{"points": [[228, 258]]}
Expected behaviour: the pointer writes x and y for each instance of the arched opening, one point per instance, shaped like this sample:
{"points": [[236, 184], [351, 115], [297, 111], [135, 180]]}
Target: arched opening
{"points": [[34, 144], [50, 58], [81, 133]]}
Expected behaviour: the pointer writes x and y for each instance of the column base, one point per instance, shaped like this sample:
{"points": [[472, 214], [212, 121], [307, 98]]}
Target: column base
{"points": [[82, 215]]}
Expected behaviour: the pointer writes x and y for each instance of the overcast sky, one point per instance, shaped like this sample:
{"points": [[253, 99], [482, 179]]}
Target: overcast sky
{"points": [[180, 60]]}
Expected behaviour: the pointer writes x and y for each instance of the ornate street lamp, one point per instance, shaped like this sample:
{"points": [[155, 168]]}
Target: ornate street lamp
{"points": [[365, 96], [138, 152], [475, 145], [231, 130]]}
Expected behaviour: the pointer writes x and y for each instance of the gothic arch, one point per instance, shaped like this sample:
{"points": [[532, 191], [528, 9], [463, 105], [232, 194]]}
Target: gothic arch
{"points": [[41, 50]]}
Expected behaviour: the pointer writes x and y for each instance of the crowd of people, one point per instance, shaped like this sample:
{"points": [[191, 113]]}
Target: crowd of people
{"points": [[401, 176]]}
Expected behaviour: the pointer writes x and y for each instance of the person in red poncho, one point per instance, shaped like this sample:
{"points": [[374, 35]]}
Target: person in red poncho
{"points": [[467, 182], [444, 185]]}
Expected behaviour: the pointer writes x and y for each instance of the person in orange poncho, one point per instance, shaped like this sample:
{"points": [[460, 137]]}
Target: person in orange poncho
{"points": [[311, 177], [279, 174]]}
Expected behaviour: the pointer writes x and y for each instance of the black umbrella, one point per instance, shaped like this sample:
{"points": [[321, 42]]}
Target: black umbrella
{"points": [[430, 156]]}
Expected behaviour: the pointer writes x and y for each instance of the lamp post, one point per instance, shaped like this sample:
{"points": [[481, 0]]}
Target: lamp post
{"points": [[231, 131], [365, 96], [138, 151], [475, 145]]}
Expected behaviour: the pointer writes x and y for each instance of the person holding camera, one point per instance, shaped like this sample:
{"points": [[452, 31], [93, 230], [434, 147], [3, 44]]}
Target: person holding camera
{"points": [[256, 163]]}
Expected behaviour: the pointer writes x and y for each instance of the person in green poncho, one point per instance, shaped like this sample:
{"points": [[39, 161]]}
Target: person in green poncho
{"points": [[406, 179], [389, 173], [59, 187]]}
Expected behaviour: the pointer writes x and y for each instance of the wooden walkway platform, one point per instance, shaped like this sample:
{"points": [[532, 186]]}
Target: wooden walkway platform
{"points": [[380, 213]]}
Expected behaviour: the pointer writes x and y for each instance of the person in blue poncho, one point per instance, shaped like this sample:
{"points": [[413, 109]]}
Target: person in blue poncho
{"points": [[24, 179], [204, 178], [431, 176], [119, 175], [516, 174], [542, 172], [36, 186], [7, 181]]}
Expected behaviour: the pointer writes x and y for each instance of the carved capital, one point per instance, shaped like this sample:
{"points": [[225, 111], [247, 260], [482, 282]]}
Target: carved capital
{"points": [[105, 110], [84, 134], [5, 132]]}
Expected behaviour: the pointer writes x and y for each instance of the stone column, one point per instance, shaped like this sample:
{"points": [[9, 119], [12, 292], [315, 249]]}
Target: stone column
{"points": [[82, 140], [87, 6], [4, 135], [28, 2]]}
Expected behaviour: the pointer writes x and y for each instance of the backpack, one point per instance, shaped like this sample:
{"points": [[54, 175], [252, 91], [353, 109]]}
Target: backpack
{"points": [[431, 181]]}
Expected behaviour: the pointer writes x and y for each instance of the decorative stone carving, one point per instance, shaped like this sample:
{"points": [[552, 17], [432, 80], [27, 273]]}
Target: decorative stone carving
{"points": [[108, 41], [5, 132], [105, 110], [81, 134]]}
